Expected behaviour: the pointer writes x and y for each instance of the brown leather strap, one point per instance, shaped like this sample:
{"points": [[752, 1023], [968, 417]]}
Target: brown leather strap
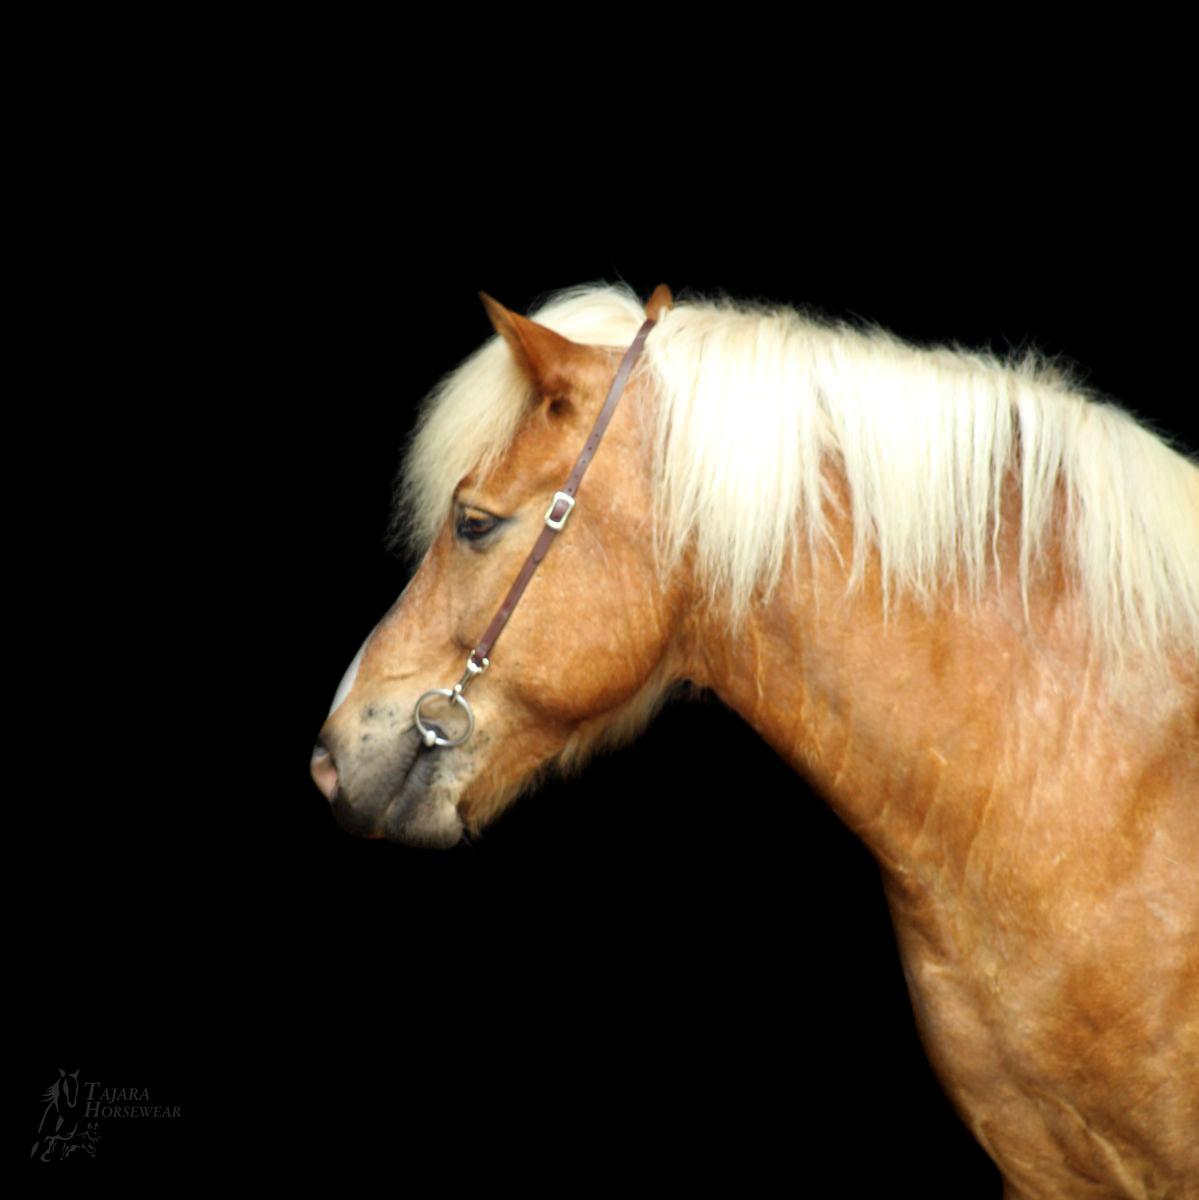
{"points": [[561, 508]]}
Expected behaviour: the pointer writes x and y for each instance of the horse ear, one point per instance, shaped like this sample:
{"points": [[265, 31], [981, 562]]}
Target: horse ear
{"points": [[660, 303], [546, 357]]}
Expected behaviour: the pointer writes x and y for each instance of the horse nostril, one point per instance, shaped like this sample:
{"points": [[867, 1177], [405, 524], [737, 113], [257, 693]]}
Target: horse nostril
{"points": [[324, 771]]}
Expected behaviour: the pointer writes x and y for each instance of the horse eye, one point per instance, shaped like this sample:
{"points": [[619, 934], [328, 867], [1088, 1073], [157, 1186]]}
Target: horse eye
{"points": [[471, 527]]}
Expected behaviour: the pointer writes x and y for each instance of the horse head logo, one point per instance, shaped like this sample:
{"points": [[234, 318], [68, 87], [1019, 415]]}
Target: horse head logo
{"points": [[62, 1094]]}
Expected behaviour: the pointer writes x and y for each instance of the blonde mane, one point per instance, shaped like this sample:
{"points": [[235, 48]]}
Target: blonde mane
{"points": [[753, 403]]}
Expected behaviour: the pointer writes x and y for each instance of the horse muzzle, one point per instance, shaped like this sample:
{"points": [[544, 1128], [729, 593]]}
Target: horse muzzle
{"points": [[388, 794]]}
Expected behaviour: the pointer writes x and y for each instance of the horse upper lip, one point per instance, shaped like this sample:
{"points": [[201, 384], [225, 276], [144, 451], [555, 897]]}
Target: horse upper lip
{"points": [[370, 800]]}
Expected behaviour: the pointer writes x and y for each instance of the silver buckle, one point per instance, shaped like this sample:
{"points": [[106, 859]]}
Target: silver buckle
{"points": [[549, 512]]}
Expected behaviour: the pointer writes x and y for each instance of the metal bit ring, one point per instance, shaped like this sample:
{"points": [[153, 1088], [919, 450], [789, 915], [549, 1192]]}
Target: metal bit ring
{"points": [[430, 736]]}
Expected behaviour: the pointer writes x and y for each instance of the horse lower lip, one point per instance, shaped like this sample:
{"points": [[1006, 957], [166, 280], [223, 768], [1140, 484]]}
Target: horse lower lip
{"points": [[353, 820]]}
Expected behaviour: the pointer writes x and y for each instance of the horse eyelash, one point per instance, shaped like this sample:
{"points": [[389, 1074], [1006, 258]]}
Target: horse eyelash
{"points": [[463, 532]]}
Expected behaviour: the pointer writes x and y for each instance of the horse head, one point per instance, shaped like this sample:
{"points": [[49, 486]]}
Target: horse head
{"points": [[586, 655]]}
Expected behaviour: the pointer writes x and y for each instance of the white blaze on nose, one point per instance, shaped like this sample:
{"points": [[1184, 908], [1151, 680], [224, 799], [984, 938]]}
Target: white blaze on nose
{"points": [[347, 680]]}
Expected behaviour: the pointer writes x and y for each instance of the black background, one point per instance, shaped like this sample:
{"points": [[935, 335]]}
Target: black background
{"points": [[676, 968]]}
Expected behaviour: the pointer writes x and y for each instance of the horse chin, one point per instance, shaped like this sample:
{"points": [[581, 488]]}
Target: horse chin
{"points": [[431, 823]]}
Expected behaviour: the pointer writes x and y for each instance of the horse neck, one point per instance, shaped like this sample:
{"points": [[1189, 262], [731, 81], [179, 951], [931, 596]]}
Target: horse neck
{"points": [[898, 721]]}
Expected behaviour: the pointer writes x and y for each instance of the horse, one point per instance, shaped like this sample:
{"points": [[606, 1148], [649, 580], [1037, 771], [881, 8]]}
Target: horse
{"points": [[957, 592]]}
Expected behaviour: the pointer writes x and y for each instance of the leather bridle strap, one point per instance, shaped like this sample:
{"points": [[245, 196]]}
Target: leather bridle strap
{"points": [[555, 520], [564, 501]]}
